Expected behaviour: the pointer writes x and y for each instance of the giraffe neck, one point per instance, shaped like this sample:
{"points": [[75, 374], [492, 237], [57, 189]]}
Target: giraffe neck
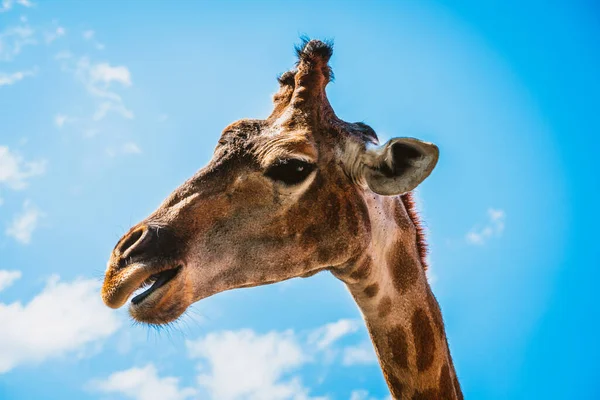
{"points": [[401, 313]]}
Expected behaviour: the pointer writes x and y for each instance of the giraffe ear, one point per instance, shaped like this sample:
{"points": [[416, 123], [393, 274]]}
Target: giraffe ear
{"points": [[398, 166]]}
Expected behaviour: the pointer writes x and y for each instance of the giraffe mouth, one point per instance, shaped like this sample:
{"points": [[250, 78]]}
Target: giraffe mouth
{"points": [[141, 282], [155, 281]]}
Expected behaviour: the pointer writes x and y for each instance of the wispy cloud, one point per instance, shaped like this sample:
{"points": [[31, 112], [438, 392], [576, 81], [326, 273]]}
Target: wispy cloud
{"points": [[101, 81], [143, 384], [7, 5], [88, 35], [7, 278], [61, 119], [16, 172], [494, 227], [56, 33], [63, 318], [106, 74], [330, 333], [131, 148], [25, 3], [13, 39], [107, 106], [362, 353], [127, 148], [25, 223], [12, 78]]}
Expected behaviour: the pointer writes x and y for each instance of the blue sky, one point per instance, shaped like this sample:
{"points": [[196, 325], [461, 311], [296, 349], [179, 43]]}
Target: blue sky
{"points": [[105, 108]]}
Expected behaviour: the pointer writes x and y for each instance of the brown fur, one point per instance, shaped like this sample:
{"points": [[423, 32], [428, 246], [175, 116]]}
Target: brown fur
{"points": [[446, 384], [396, 386], [372, 290], [398, 346], [428, 394], [384, 307], [404, 270], [424, 339]]}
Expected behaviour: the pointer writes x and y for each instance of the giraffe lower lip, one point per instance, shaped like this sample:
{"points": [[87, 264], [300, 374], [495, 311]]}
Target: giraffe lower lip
{"points": [[162, 278]]}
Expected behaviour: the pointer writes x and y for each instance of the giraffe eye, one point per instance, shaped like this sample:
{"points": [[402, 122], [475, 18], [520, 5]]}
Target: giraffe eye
{"points": [[290, 172]]}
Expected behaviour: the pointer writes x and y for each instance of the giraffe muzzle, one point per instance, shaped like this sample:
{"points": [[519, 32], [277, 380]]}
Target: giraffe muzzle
{"points": [[143, 264]]}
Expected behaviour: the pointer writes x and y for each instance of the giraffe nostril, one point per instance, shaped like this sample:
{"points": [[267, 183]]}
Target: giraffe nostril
{"points": [[130, 240], [134, 243]]}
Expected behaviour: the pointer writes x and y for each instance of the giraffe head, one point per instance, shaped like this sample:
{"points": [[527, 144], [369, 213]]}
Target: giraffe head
{"points": [[281, 198]]}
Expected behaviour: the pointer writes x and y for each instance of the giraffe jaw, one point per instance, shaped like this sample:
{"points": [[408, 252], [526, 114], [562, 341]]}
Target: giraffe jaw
{"points": [[164, 298]]}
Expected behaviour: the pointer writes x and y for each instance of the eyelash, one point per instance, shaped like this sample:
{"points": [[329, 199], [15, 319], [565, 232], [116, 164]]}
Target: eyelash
{"points": [[290, 172]]}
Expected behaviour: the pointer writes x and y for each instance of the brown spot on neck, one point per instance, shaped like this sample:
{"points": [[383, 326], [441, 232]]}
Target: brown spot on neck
{"points": [[446, 386], [396, 387], [384, 308], [404, 268], [372, 290], [398, 347], [428, 394], [423, 338]]}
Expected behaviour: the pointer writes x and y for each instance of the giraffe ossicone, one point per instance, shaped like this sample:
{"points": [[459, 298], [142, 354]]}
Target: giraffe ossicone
{"points": [[289, 196]]}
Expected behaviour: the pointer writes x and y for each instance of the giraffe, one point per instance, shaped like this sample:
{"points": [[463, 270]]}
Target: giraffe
{"points": [[292, 195]]}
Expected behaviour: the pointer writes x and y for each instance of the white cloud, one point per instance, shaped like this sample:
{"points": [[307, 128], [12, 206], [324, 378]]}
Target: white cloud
{"points": [[11, 79], [259, 363], [63, 56], [7, 278], [493, 227], [60, 120], [143, 384], [15, 172], [13, 39], [330, 333], [89, 34], [107, 106], [127, 148], [90, 132], [100, 80], [362, 353], [106, 73], [50, 37], [63, 318], [6, 5], [24, 224], [131, 148]]}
